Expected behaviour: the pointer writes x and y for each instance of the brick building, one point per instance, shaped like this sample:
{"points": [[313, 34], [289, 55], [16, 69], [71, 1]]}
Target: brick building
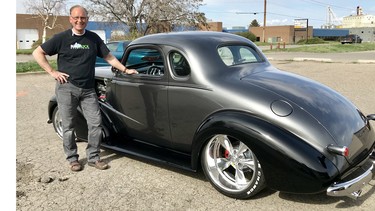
{"points": [[281, 34], [29, 28]]}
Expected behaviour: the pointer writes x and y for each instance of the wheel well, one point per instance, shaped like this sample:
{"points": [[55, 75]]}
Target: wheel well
{"points": [[237, 124]]}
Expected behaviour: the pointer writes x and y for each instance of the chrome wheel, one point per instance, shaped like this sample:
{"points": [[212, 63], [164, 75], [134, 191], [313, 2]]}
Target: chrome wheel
{"points": [[57, 122], [232, 167]]}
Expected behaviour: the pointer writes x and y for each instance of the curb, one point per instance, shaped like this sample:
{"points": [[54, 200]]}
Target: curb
{"points": [[362, 61], [298, 59], [301, 59]]}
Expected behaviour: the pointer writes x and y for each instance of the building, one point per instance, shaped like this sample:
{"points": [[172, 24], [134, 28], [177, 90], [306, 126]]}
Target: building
{"points": [[366, 33], [29, 29], [359, 20], [361, 25], [282, 34], [330, 34]]}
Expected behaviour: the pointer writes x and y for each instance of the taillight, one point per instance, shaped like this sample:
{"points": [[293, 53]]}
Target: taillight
{"points": [[338, 150]]}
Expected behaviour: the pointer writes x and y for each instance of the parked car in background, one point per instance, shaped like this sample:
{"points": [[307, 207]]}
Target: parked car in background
{"points": [[117, 49], [351, 38], [212, 101]]}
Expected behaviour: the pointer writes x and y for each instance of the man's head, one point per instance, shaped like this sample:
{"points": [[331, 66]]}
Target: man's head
{"points": [[78, 18]]}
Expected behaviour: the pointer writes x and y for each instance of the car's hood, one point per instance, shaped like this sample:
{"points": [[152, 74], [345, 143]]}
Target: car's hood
{"points": [[336, 114]]}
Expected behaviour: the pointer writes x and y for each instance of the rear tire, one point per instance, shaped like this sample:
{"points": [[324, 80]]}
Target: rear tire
{"points": [[232, 167]]}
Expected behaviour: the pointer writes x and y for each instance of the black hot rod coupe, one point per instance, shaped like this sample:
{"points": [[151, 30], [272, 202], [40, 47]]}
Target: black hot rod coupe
{"points": [[212, 100]]}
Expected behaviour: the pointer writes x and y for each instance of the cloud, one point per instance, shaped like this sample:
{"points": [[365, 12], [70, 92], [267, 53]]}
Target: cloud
{"points": [[276, 22]]}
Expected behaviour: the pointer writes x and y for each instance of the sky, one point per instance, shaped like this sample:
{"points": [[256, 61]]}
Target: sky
{"points": [[234, 13]]}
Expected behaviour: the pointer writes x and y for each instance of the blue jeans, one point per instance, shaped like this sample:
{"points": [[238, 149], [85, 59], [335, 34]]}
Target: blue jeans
{"points": [[69, 97]]}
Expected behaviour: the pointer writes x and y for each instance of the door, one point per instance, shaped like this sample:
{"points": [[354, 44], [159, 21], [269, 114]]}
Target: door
{"points": [[142, 99], [26, 38]]}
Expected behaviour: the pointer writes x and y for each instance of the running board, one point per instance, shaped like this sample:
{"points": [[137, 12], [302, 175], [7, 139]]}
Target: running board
{"points": [[153, 153]]}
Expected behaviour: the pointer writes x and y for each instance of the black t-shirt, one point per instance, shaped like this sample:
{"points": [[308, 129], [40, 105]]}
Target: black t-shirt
{"points": [[77, 55]]}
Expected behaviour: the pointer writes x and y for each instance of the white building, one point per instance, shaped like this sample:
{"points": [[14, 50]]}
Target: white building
{"points": [[358, 21]]}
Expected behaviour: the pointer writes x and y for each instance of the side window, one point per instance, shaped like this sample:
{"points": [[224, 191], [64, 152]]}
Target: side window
{"points": [[238, 54], [147, 61], [179, 64], [247, 55], [226, 55]]}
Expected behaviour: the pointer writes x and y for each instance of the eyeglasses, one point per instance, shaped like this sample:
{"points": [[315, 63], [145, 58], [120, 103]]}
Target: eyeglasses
{"points": [[80, 18]]}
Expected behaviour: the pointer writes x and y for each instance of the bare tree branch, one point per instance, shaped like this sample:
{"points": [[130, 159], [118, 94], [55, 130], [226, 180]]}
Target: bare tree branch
{"points": [[148, 16], [47, 11]]}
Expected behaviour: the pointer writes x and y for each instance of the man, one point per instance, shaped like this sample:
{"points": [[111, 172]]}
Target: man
{"points": [[77, 49]]}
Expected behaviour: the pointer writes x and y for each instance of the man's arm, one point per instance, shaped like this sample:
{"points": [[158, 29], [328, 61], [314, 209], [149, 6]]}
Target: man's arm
{"points": [[40, 58], [112, 60]]}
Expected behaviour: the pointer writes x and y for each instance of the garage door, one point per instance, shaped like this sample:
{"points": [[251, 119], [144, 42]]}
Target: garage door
{"points": [[26, 38]]}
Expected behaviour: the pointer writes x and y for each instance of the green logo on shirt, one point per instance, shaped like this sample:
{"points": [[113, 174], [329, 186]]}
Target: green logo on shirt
{"points": [[79, 46]]}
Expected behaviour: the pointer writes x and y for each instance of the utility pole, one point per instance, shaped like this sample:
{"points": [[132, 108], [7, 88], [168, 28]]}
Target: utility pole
{"points": [[264, 20]]}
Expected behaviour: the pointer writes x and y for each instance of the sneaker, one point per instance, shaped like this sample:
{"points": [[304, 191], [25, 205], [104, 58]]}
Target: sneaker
{"points": [[75, 166], [99, 164]]}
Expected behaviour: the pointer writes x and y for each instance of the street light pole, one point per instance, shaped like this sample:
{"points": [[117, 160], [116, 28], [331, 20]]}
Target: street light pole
{"points": [[264, 20]]}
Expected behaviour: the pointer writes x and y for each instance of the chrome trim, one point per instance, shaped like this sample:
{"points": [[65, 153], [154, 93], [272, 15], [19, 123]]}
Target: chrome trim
{"points": [[353, 187]]}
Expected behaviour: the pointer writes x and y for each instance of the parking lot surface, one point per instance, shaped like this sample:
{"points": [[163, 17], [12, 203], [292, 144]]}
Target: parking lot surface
{"points": [[45, 182]]}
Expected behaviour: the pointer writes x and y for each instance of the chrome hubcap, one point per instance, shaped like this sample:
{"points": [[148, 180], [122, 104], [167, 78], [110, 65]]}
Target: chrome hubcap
{"points": [[230, 163]]}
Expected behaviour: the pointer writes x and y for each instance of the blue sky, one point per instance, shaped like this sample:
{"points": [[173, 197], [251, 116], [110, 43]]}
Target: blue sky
{"points": [[282, 12], [279, 12]]}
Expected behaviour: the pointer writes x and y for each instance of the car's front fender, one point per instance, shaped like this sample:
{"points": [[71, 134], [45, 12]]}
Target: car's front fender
{"points": [[288, 162]]}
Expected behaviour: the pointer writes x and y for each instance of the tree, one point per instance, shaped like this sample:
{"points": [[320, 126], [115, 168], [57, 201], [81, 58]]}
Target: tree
{"points": [[148, 16], [47, 11], [254, 23]]}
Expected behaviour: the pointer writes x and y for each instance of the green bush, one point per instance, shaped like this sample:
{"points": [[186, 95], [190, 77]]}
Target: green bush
{"points": [[315, 40], [247, 35]]}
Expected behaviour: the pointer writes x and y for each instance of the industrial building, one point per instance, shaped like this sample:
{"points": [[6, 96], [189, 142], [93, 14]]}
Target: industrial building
{"points": [[360, 24]]}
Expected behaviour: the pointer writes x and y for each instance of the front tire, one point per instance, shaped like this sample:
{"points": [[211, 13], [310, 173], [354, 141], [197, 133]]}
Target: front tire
{"points": [[231, 167], [57, 122]]}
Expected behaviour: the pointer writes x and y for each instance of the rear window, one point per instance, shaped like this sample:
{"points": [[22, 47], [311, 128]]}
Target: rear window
{"points": [[238, 54]]}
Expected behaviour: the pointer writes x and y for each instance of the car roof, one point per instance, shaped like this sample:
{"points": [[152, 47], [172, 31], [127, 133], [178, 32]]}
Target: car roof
{"points": [[191, 38], [199, 46]]}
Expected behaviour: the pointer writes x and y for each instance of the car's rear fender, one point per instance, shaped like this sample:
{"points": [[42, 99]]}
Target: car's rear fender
{"points": [[289, 163]]}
